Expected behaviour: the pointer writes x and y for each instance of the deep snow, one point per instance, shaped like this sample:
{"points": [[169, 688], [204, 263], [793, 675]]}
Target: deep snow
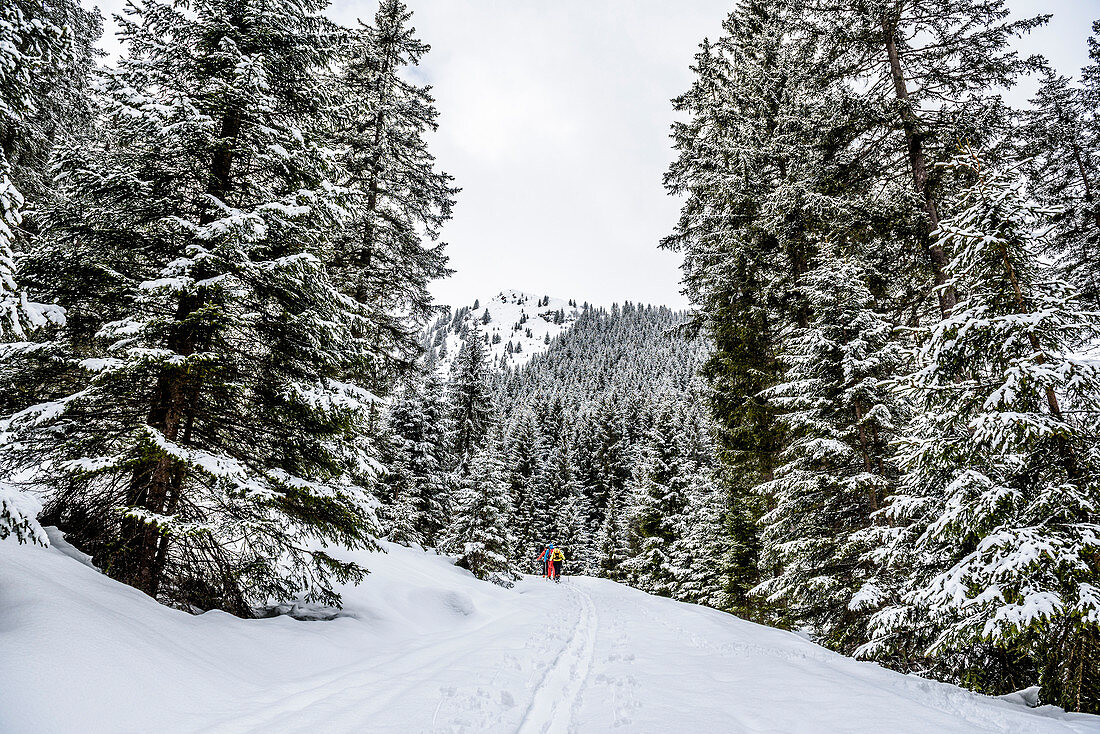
{"points": [[424, 647]]}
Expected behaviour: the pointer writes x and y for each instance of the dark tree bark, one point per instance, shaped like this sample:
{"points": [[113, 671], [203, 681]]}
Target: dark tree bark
{"points": [[157, 481], [919, 166]]}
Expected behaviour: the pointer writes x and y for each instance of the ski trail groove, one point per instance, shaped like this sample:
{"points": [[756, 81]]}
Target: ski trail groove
{"points": [[558, 695]]}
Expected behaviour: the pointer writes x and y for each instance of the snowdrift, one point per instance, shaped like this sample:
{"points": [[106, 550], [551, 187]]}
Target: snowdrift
{"points": [[423, 647]]}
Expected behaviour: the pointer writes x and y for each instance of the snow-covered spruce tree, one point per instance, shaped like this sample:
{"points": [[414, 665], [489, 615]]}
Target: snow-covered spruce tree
{"points": [[470, 401], [387, 254], [45, 59], [564, 500], [612, 539], [522, 455], [997, 531], [702, 555], [841, 417], [215, 442], [18, 516], [928, 70], [19, 318], [577, 536], [678, 535], [479, 533], [610, 464], [658, 497], [1090, 77], [1058, 144], [727, 308], [416, 476], [703, 552], [763, 161], [45, 56]]}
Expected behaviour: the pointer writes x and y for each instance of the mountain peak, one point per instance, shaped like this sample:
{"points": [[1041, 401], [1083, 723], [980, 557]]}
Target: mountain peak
{"points": [[515, 325]]}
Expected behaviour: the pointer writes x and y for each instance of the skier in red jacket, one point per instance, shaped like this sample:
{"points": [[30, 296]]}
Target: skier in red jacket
{"points": [[544, 559]]}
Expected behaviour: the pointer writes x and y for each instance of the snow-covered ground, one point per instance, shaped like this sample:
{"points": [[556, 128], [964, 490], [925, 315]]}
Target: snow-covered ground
{"points": [[526, 321], [423, 647]]}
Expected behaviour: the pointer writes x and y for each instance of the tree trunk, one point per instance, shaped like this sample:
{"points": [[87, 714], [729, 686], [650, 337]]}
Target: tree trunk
{"points": [[364, 290], [1070, 673], [157, 481], [917, 161], [1085, 181], [1075, 148]]}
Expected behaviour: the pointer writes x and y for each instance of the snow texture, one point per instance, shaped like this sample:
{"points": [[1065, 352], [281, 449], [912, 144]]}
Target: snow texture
{"points": [[422, 646]]}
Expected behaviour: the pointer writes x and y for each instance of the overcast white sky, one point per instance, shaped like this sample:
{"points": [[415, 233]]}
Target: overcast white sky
{"points": [[554, 120]]}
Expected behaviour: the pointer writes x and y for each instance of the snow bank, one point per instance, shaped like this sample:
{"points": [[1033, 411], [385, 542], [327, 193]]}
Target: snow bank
{"points": [[422, 646]]}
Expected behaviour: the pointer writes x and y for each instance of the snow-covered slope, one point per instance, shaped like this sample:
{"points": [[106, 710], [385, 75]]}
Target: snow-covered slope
{"points": [[519, 326], [422, 646]]}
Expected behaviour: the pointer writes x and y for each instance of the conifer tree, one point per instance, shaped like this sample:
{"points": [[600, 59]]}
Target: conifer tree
{"points": [[575, 533], [416, 477], [585, 471], [470, 399], [996, 530], [612, 548], [522, 454], [564, 498], [18, 516], [1058, 142], [703, 551], [45, 59], [214, 432], [659, 499], [388, 253], [610, 463], [841, 418], [479, 533], [759, 160], [931, 66], [31, 46]]}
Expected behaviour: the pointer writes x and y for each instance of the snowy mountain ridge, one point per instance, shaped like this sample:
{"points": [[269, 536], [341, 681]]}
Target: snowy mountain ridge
{"points": [[515, 325]]}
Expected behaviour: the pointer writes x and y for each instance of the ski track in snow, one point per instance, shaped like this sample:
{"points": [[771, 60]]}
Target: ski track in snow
{"points": [[558, 694], [348, 699], [427, 648], [351, 697]]}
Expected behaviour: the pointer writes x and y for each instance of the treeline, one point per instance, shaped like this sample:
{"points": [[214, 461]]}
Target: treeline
{"points": [[898, 275], [214, 259]]}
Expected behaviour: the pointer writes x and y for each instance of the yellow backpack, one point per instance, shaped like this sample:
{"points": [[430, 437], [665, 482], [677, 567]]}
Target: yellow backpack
{"points": [[557, 555]]}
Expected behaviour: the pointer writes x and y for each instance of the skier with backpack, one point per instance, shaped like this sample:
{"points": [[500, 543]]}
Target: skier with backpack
{"points": [[557, 557]]}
